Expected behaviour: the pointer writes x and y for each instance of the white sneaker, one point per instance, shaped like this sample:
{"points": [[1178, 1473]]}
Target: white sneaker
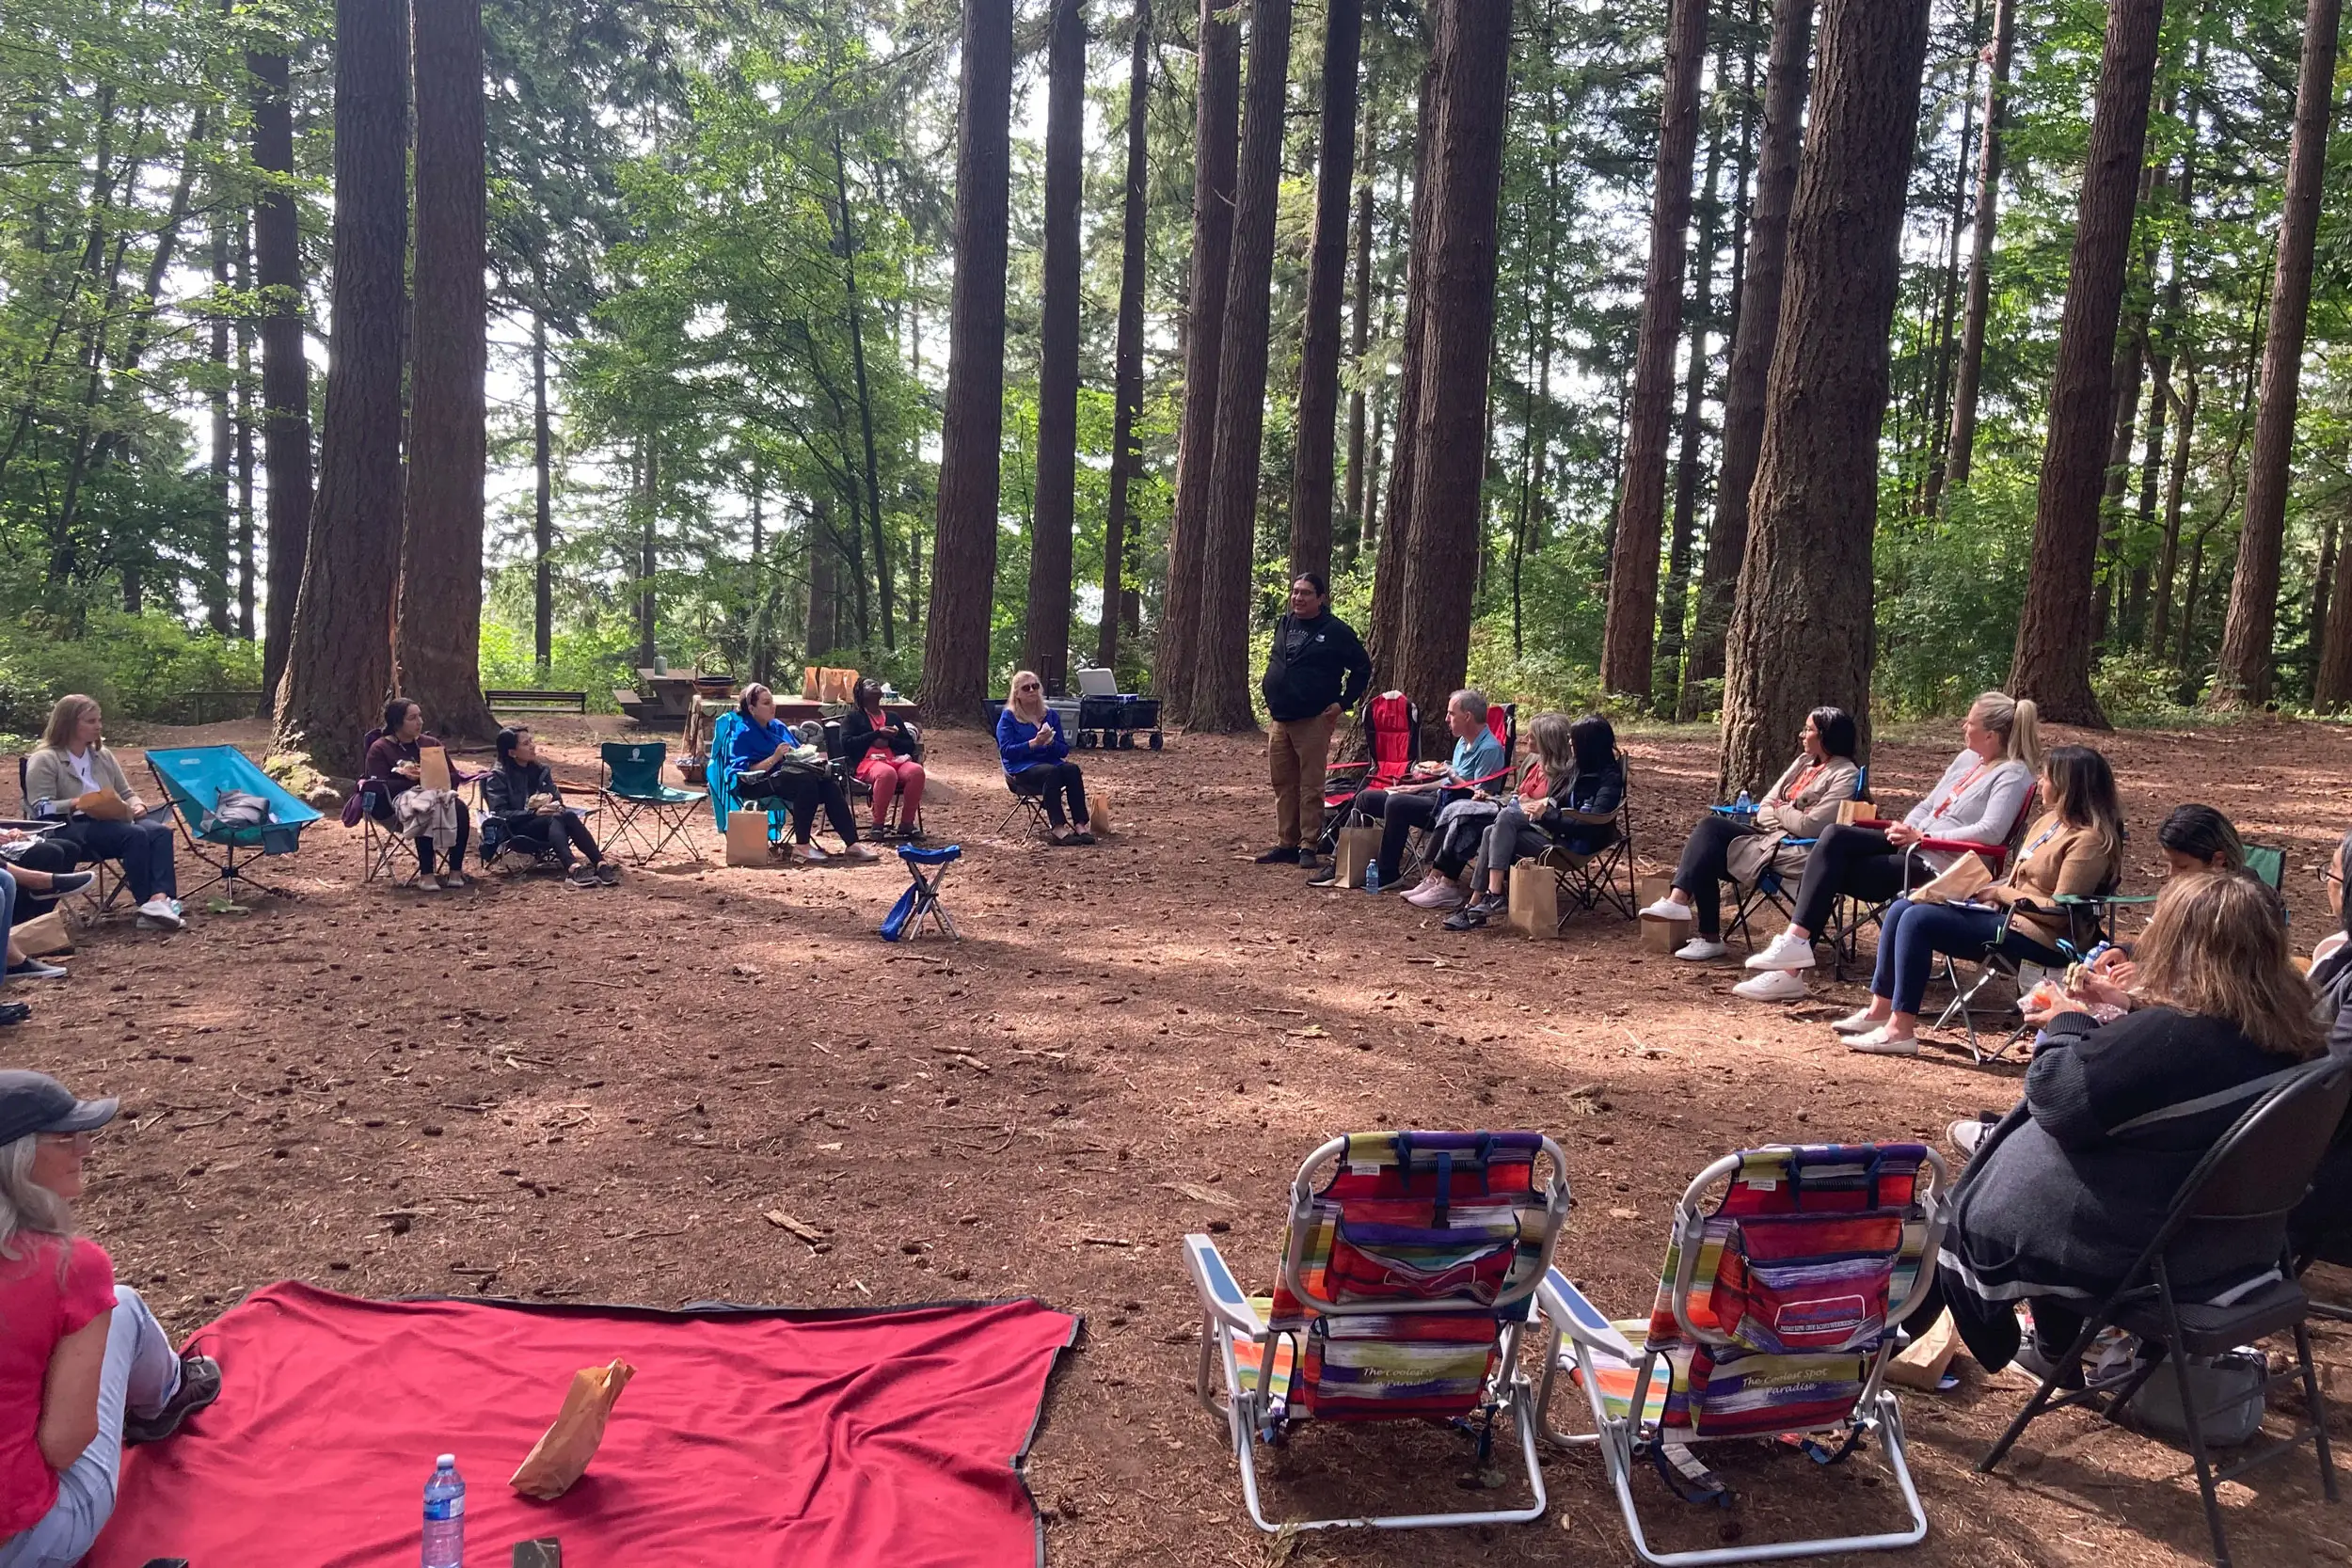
{"points": [[1785, 951], [808, 854], [1667, 908], [162, 912], [1878, 1042], [1773, 985], [1857, 1022], [863, 853], [1699, 949], [1437, 894], [1966, 1135]]}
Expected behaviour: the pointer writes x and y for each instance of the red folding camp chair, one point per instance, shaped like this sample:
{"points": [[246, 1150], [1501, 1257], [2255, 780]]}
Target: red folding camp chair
{"points": [[1848, 917], [1406, 1279], [1774, 1318]]}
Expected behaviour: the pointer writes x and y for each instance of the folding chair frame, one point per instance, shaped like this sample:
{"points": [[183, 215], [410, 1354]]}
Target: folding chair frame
{"points": [[1588, 880], [1034, 805], [926, 904], [671, 811], [1230, 1322], [228, 869], [2146, 1292], [1622, 1439]]}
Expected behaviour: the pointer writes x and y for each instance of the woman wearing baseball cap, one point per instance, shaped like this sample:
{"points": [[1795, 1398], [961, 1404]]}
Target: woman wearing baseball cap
{"points": [[84, 1367]]}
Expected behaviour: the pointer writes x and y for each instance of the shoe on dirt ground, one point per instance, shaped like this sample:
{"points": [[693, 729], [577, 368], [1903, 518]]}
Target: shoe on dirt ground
{"points": [[1773, 985], [1785, 951], [582, 876], [1325, 873], [1878, 1042], [1282, 854], [33, 969], [455, 881], [1969, 1135], [160, 912], [14, 1012], [200, 1386], [808, 854], [1859, 1021], [1473, 915], [1698, 950], [63, 882], [1310, 861], [1667, 909], [608, 873]]}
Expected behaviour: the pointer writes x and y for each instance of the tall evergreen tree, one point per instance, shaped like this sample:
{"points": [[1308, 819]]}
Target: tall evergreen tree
{"points": [[1053, 513], [1127, 359], [1326, 290]]}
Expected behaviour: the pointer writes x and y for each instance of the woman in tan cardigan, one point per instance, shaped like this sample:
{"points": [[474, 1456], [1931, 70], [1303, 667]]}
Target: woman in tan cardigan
{"points": [[2074, 849], [1739, 848], [74, 773]]}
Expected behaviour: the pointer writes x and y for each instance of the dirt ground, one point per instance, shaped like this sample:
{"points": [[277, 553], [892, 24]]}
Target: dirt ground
{"points": [[539, 1092]]}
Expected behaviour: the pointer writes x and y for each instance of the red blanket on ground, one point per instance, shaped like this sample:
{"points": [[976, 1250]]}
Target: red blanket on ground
{"points": [[880, 1438]]}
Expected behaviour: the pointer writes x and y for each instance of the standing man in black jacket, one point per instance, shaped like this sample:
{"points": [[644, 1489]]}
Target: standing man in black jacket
{"points": [[1316, 670]]}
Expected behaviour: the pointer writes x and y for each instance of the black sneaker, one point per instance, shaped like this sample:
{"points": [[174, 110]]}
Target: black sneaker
{"points": [[14, 1012], [609, 874], [1326, 874], [62, 882], [200, 1386], [1474, 914], [1282, 854]]}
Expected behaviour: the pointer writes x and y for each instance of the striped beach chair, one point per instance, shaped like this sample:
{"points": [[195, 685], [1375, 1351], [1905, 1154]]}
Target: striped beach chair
{"points": [[1408, 1277], [1774, 1319]]}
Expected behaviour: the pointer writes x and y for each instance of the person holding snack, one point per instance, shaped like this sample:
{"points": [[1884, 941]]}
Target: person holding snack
{"points": [[2074, 850], [430, 817], [1740, 848], [886, 753], [75, 780], [1978, 799], [523, 799]]}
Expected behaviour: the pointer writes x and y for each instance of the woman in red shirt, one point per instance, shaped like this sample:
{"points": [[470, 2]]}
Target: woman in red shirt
{"points": [[85, 1367]]}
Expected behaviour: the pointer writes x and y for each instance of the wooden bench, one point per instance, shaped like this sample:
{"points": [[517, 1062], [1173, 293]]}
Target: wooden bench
{"points": [[539, 701]]}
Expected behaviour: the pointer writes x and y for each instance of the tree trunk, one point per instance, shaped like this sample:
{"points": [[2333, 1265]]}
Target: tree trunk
{"points": [[2331, 684], [2322, 585], [648, 552], [1787, 79], [1359, 343], [854, 308], [2134, 623], [436, 639], [2128, 359], [1674, 601], [1968, 375], [2243, 674], [1801, 628], [1127, 363], [1625, 650], [2168, 558], [1385, 641], [285, 373], [247, 584], [1046, 648], [1215, 153], [1940, 363], [338, 658], [2053, 659], [218, 519], [760, 652], [956, 668], [1470, 64], [543, 496], [1221, 676], [1327, 290], [824, 593]]}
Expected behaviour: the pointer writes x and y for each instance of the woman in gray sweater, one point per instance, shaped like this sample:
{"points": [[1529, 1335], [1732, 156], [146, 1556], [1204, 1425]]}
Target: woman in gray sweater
{"points": [[73, 766], [1979, 798]]}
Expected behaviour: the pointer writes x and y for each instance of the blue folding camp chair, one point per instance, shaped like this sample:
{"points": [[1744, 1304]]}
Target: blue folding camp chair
{"points": [[194, 779], [920, 901], [648, 816], [1771, 889]]}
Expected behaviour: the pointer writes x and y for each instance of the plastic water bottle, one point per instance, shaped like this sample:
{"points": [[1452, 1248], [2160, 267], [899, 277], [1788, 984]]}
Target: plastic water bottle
{"points": [[1743, 805], [1372, 877], [445, 1515]]}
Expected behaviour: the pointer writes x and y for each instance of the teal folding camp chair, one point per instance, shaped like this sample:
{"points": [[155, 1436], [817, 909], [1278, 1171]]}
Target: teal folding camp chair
{"points": [[1774, 1319], [203, 783], [721, 775], [648, 814]]}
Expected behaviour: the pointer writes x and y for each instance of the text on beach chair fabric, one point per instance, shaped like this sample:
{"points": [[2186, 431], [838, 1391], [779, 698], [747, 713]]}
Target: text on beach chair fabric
{"points": [[1788, 1292]]}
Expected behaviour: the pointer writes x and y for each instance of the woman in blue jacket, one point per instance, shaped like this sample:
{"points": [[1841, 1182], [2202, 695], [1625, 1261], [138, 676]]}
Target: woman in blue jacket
{"points": [[1037, 759]]}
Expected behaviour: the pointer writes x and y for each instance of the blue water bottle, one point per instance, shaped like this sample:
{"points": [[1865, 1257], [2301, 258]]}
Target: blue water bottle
{"points": [[445, 1515], [1372, 877]]}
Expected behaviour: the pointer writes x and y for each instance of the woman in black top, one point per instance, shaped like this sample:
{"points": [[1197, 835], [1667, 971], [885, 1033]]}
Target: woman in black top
{"points": [[395, 763], [2059, 1200], [1316, 669], [523, 799]]}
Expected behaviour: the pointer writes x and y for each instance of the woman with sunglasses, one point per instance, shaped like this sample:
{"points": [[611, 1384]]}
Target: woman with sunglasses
{"points": [[84, 1367]]}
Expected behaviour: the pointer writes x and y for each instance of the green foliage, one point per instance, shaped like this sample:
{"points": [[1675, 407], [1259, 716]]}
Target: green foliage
{"points": [[137, 665]]}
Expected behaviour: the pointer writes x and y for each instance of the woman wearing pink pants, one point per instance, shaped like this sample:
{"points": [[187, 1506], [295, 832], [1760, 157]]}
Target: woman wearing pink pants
{"points": [[884, 751]]}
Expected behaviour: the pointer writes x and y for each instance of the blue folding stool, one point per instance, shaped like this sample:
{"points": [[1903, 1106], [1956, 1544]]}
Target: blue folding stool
{"points": [[920, 901]]}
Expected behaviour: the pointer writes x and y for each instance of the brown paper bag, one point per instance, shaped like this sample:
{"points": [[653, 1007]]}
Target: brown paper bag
{"points": [[1535, 899], [561, 1455], [1649, 888], [103, 804], [39, 939], [1852, 812], [808, 683], [1099, 811], [836, 685], [747, 838], [1923, 1362], [1358, 849], [432, 768], [1967, 877], [1665, 936]]}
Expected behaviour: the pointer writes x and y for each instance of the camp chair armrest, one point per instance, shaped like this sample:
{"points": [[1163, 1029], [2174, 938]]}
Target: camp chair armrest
{"points": [[1331, 767], [1958, 846], [1560, 1304], [1221, 1296]]}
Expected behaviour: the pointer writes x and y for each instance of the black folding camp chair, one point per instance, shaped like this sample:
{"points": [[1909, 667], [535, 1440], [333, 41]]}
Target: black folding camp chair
{"points": [[108, 885], [2245, 1187], [1603, 876]]}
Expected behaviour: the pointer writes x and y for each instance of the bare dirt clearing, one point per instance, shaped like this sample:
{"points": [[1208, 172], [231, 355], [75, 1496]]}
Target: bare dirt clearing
{"points": [[546, 1093]]}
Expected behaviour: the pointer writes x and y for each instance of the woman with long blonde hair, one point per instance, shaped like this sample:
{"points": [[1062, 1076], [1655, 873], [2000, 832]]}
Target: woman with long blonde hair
{"points": [[73, 779], [2061, 1197], [1036, 754], [84, 1365]]}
